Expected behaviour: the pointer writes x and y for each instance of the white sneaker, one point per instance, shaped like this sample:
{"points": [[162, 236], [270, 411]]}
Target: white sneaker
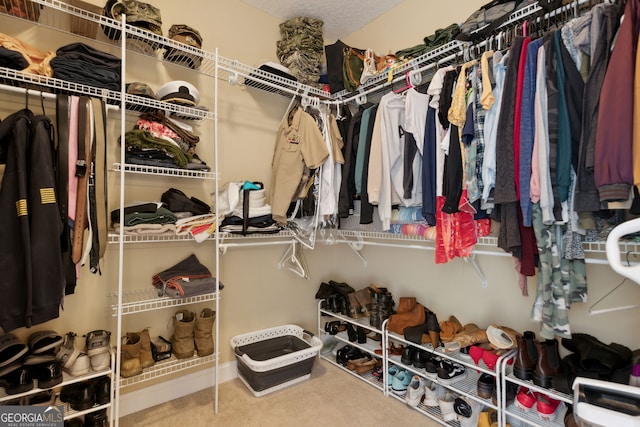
{"points": [[430, 394], [467, 410], [82, 366], [445, 401], [68, 353], [415, 391]]}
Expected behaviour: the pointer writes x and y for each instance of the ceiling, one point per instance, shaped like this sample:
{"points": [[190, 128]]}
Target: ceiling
{"points": [[340, 17]]}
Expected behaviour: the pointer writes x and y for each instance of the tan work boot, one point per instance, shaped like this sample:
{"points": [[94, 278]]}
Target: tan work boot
{"points": [[146, 357], [204, 332], [182, 340], [130, 356]]}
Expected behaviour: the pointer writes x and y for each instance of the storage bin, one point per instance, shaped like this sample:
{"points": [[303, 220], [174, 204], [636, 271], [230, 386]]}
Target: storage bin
{"points": [[274, 358]]}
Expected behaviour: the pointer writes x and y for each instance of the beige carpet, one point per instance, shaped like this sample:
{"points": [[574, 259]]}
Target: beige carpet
{"points": [[331, 397]]}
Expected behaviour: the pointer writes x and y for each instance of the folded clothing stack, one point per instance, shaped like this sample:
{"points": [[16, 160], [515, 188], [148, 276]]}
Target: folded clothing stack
{"points": [[187, 278], [80, 63]]}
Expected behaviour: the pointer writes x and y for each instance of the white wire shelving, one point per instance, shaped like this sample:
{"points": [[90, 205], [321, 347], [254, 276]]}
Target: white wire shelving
{"points": [[169, 366], [141, 300], [156, 170]]}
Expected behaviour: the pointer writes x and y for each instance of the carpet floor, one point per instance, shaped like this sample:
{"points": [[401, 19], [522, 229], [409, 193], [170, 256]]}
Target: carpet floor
{"points": [[331, 397]]}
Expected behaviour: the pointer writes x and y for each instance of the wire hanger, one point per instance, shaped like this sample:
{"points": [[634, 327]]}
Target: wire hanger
{"points": [[594, 311]]}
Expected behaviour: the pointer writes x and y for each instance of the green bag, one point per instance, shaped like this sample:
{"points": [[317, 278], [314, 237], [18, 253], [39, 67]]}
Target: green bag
{"points": [[352, 68]]}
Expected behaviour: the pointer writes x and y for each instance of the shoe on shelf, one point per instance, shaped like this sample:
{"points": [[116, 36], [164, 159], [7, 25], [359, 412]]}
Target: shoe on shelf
{"points": [[400, 382], [98, 344], [526, 399], [415, 391], [182, 341], [547, 407], [467, 411], [83, 397], [130, 356], [420, 358], [431, 366], [19, 380], [548, 363], [391, 372], [68, 351], [48, 374], [527, 356], [82, 366], [353, 364], [449, 328], [408, 355], [102, 388], [96, 419], [450, 372], [430, 394], [486, 385], [445, 401]]}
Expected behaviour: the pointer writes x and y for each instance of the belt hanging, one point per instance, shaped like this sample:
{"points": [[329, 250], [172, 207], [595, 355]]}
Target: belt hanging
{"points": [[84, 153], [97, 188]]}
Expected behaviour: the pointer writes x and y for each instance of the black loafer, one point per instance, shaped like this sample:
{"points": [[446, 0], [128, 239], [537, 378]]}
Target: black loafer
{"points": [[48, 374], [18, 381], [486, 385]]}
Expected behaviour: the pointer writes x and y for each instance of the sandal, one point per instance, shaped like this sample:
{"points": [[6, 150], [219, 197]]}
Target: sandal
{"points": [[43, 341], [11, 350]]}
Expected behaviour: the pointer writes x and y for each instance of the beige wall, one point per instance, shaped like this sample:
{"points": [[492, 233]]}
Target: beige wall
{"points": [[257, 294]]}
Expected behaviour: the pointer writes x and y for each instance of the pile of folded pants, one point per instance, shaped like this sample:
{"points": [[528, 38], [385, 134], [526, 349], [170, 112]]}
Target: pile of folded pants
{"points": [[187, 278], [80, 63]]}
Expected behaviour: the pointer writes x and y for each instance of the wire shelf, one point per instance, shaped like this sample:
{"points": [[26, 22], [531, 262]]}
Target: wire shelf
{"points": [[236, 72], [153, 238], [432, 412], [156, 170], [142, 300], [167, 367], [531, 417]]}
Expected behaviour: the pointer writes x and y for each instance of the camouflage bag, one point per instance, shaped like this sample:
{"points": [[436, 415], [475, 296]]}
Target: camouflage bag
{"points": [[352, 68]]}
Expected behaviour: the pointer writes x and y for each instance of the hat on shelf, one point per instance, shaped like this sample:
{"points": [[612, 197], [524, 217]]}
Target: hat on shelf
{"points": [[140, 15], [179, 92], [188, 36], [143, 90]]}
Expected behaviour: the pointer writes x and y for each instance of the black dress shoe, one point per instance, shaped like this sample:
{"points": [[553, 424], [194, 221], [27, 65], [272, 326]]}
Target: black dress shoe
{"points": [[408, 355], [420, 359], [486, 385]]}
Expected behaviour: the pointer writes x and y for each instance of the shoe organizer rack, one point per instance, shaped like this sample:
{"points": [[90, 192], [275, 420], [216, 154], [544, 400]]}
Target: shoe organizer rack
{"points": [[67, 380], [342, 338], [531, 417], [466, 386]]}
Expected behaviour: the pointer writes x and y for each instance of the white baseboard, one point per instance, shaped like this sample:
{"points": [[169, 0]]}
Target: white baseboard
{"points": [[175, 388]]}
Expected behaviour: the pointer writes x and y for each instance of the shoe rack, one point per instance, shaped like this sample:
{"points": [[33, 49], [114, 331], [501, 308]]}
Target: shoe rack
{"points": [[36, 394], [374, 348], [531, 417], [466, 386]]}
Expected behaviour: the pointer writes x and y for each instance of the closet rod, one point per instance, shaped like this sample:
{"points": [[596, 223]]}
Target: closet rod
{"points": [[40, 94]]}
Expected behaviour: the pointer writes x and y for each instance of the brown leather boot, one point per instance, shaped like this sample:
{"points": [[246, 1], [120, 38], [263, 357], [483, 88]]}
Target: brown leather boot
{"points": [[130, 356], [527, 356], [548, 363], [397, 322], [406, 304], [182, 343], [146, 357], [204, 332]]}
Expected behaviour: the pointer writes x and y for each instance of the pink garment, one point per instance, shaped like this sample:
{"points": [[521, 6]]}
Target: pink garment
{"points": [[73, 156], [157, 129], [455, 234], [534, 184]]}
